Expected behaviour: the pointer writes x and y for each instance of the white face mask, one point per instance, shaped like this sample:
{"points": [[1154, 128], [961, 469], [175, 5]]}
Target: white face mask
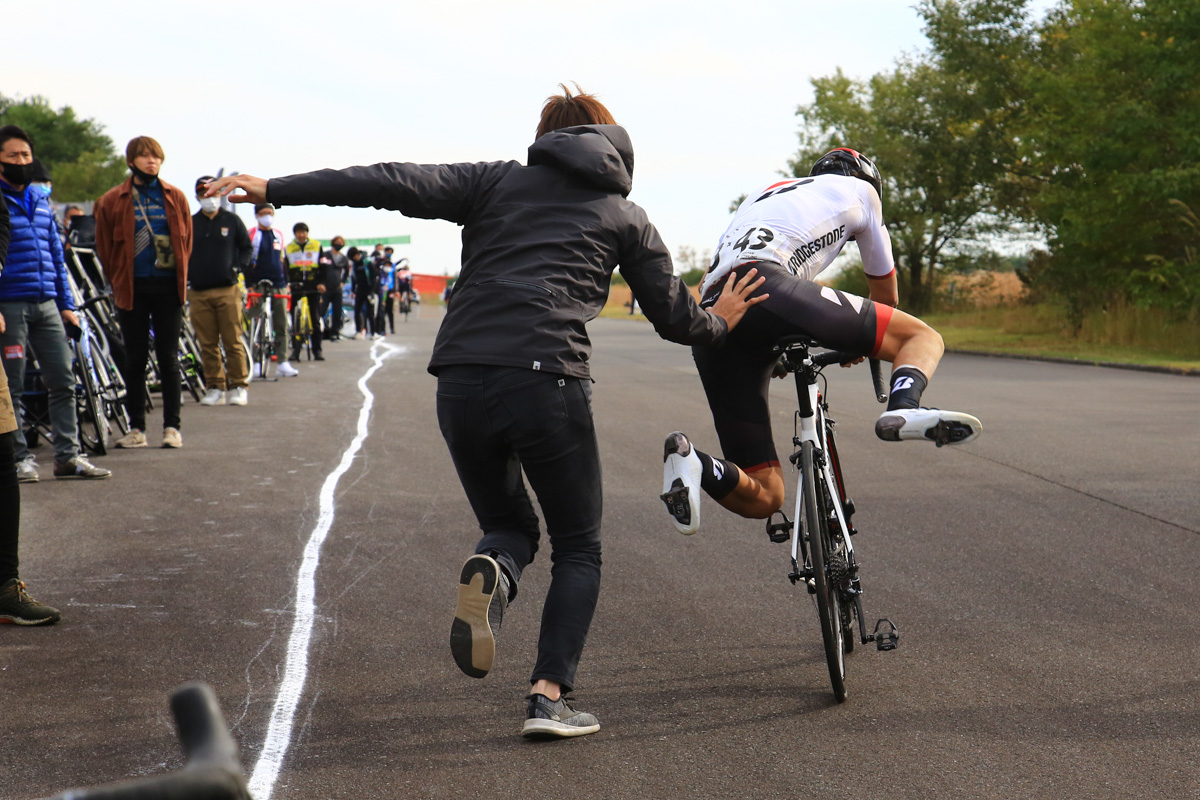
{"points": [[266, 220], [210, 204]]}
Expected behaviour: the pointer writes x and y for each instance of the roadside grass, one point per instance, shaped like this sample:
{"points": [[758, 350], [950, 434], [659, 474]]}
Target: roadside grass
{"points": [[1118, 334]]}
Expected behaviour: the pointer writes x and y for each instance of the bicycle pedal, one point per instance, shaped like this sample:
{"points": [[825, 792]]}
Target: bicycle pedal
{"points": [[779, 532], [888, 638]]}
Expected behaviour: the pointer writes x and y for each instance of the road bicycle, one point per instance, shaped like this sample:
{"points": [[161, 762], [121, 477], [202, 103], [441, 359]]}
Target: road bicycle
{"points": [[261, 328], [302, 324], [822, 554], [213, 771]]}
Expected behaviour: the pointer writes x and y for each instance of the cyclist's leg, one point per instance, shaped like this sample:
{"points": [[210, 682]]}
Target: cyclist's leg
{"points": [[279, 323], [314, 302]]}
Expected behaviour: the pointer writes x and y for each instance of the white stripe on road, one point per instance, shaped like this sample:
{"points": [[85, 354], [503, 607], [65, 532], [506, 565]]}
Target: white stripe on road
{"points": [[279, 733]]}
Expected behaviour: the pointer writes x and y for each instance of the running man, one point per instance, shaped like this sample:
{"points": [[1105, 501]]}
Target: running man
{"points": [[790, 231]]}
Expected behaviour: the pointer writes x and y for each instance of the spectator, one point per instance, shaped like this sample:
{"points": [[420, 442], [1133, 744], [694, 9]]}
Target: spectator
{"points": [[221, 250], [144, 240], [337, 269], [15, 603], [266, 246], [385, 318], [362, 283], [36, 301], [305, 274]]}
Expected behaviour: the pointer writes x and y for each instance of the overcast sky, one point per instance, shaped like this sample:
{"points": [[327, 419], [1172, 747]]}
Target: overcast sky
{"points": [[707, 90]]}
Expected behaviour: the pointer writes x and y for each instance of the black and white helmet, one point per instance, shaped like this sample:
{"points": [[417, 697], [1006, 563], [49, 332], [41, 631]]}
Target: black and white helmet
{"points": [[844, 161]]}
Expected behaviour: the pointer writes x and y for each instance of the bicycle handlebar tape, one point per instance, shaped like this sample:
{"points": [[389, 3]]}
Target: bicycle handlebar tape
{"points": [[877, 378], [202, 730]]}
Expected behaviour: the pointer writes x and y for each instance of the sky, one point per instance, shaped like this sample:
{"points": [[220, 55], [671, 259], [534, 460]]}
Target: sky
{"points": [[707, 90]]}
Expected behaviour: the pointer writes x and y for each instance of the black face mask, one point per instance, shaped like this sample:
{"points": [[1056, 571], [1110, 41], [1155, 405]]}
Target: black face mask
{"points": [[337, 247], [18, 174], [144, 177]]}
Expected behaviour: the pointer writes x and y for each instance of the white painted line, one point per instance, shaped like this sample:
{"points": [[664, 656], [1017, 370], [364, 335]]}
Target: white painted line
{"points": [[295, 671]]}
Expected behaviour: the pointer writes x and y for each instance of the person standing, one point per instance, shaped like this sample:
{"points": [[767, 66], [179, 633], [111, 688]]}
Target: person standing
{"points": [[337, 269], [540, 243], [16, 604], [36, 302], [221, 249], [266, 246], [385, 316], [305, 275], [144, 240], [362, 284]]}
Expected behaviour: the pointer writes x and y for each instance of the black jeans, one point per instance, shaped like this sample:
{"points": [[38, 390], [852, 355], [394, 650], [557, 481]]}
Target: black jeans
{"points": [[10, 507], [165, 313], [498, 421]]}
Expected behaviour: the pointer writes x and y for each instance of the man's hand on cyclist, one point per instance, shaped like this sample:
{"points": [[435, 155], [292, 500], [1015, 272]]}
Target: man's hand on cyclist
{"points": [[735, 298], [255, 188]]}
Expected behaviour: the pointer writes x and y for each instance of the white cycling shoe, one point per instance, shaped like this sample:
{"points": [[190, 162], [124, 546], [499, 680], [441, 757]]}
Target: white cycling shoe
{"points": [[929, 424], [681, 482]]}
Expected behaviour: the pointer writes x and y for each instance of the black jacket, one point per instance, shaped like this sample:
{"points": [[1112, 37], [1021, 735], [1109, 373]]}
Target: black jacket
{"points": [[220, 249], [540, 243]]}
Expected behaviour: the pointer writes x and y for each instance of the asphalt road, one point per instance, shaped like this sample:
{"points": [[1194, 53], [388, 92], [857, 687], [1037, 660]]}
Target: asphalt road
{"points": [[1044, 580]]}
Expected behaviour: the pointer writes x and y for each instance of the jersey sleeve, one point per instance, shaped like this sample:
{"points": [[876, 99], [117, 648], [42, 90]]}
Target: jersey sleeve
{"points": [[874, 243]]}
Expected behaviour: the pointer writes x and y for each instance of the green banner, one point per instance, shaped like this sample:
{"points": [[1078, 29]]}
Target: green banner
{"points": [[380, 240]]}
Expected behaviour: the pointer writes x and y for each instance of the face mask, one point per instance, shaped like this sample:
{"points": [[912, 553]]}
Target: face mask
{"points": [[44, 188], [17, 174], [209, 204], [144, 177], [266, 220], [337, 247]]}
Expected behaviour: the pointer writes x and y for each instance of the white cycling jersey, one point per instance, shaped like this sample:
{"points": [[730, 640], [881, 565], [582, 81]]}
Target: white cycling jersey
{"points": [[802, 224]]}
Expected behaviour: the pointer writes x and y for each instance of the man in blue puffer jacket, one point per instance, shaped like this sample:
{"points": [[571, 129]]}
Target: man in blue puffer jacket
{"points": [[35, 301]]}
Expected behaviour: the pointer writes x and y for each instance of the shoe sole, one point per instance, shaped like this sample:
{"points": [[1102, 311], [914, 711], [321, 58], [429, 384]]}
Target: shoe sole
{"points": [[130, 446], [34, 479], [677, 495], [8, 619], [74, 477], [471, 640], [951, 430], [549, 729]]}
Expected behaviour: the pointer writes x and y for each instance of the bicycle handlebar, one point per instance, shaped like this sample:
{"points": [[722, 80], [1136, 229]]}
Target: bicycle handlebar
{"points": [[213, 771], [838, 357]]}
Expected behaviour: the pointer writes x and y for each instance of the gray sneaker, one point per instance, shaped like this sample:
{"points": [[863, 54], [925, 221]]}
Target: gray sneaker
{"points": [[482, 597], [555, 719], [27, 470], [79, 467]]}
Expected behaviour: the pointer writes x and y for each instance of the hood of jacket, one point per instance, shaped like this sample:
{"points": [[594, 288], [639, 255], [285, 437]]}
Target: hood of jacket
{"points": [[601, 155]]}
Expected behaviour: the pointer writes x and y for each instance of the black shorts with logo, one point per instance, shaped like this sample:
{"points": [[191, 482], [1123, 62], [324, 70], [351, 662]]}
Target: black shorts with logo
{"points": [[737, 374]]}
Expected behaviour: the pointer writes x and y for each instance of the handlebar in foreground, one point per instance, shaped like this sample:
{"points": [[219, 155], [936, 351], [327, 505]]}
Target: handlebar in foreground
{"points": [[213, 771]]}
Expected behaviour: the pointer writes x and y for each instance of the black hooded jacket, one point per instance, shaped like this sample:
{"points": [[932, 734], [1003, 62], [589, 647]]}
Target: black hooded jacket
{"points": [[540, 243]]}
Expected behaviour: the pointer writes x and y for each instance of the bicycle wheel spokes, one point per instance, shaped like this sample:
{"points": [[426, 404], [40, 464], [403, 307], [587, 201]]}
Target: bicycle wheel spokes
{"points": [[827, 572]]}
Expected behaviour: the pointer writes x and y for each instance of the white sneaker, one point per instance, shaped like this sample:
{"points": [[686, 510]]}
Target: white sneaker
{"points": [[931, 424], [286, 370], [215, 397], [681, 482], [134, 438], [360, 335], [238, 396]]}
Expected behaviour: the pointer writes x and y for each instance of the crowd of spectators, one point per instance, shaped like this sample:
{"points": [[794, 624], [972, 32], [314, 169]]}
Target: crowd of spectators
{"points": [[160, 262]]}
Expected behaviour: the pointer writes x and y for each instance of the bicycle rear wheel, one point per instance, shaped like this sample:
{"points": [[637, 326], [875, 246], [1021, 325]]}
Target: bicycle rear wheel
{"points": [[822, 551]]}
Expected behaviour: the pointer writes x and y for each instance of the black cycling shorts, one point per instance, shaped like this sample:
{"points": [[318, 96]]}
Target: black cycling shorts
{"points": [[737, 374]]}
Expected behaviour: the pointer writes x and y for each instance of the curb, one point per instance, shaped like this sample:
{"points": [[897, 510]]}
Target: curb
{"points": [[1188, 373]]}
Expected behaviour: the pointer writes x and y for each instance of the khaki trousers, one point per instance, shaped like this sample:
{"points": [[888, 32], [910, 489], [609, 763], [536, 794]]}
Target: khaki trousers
{"points": [[216, 315]]}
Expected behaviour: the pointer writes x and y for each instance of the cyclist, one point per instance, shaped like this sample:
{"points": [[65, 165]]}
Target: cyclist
{"points": [[266, 242], [305, 275], [403, 280], [540, 242], [362, 286], [385, 316], [790, 231]]}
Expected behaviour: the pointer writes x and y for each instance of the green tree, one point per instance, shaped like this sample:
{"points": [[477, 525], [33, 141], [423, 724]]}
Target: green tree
{"points": [[1107, 141], [937, 126], [82, 160]]}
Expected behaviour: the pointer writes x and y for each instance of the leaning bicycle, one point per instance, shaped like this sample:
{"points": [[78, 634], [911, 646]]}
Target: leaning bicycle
{"points": [[822, 553]]}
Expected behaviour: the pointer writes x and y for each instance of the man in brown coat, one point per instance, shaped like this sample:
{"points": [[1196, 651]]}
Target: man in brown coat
{"points": [[144, 240]]}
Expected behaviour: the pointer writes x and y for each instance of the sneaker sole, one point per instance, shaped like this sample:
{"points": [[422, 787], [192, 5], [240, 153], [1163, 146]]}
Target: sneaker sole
{"points": [[74, 477], [130, 446], [8, 619], [549, 729], [34, 479], [952, 430], [677, 495], [471, 639]]}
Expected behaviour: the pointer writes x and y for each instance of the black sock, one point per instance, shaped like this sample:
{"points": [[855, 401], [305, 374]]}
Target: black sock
{"points": [[907, 384], [719, 477]]}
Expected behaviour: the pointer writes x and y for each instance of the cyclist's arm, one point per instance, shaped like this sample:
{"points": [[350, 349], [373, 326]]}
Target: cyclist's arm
{"points": [[884, 290]]}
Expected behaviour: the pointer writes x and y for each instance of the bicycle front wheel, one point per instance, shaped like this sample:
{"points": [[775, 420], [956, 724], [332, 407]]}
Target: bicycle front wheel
{"points": [[821, 549], [93, 424]]}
